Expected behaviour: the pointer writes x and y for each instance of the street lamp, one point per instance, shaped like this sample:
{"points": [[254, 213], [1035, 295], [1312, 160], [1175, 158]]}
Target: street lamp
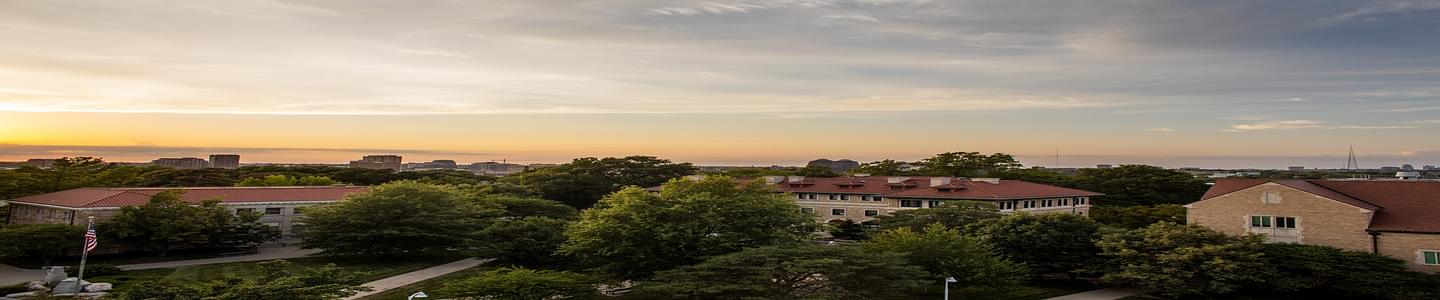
{"points": [[417, 295], [948, 281]]}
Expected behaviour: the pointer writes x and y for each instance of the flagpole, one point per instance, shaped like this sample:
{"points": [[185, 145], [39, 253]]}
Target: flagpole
{"points": [[84, 254]]}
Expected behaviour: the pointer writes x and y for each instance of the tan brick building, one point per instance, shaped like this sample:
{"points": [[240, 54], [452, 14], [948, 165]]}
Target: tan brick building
{"points": [[1400, 219], [280, 207]]}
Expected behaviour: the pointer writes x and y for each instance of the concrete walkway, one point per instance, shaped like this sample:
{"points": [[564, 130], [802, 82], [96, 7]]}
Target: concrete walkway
{"points": [[10, 275], [401, 280], [1104, 294], [264, 254]]}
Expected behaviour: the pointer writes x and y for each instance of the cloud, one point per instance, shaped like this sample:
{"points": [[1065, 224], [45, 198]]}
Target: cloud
{"points": [[53, 151], [1388, 7], [1409, 109], [1275, 125], [863, 18], [1426, 122], [1161, 129]]}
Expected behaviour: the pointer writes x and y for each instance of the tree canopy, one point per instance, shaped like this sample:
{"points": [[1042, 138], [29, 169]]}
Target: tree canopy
{"points": [[968, 164], [1047, 243], [42, 241], [396, 218], [633, 233], [1334, 272], [1141, 185], [1184, 259], [582, 182], [802, 271], [277, 281], [1138, 216], [954, 214], [286, 180], [166, 222], [523, 284], [945, 252]]}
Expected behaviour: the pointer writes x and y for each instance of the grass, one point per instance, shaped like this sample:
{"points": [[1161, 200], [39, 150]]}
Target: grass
{"points": [[430, 286], [372, 268]]}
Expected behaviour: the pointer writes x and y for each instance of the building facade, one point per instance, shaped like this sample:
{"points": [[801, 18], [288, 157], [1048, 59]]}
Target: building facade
{"points": [[182, 163], [225, 161], [863, 198], [1400, 219], [391, 162], [280, 207]]}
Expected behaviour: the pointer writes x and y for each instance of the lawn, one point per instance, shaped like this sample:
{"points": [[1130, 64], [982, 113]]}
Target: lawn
{"points": [[431, 287], [373, 269]]}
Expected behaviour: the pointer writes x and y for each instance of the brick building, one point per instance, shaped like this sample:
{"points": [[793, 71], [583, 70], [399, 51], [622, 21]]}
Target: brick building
{"points": [[280, 206], [1400, 219]]}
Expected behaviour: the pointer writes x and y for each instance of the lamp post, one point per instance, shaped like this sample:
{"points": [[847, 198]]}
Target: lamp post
{"points": [[417, 295], [948, 280]]}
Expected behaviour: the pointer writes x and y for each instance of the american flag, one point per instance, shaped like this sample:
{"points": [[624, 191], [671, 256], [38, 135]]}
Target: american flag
{"points": [[91, 241]]}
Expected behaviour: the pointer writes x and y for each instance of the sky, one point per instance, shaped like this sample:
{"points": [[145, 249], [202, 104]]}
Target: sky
{"points": [[1223, 84]]}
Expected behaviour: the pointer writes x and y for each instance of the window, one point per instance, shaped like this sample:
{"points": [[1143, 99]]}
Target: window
{"points": [[272, 210], [1029, 204], [812, 196], [911, 203], [872, 213], [1285, 222], [1270, 198], [837, 212], [244, 210], [1065, 202], [800, 196], [1046, 203], [844, 197], [1429, 257], [808, 210], [832, 196], [876, 198], [1272, 222], [297, 211], [1260, 221], [1081, 200], [937, 203]]}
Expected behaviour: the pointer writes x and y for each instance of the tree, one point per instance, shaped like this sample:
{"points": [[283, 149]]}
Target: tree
{"points": [[72, 172], [847, 229], [1036, 175], [944, 252], [520, 207], [886, 167], [285, 180], [633, 233], [166, 222], [1047, 243], [1334, 272], [522, 284], [584, 181], [396, 218], [968, 164], [43, 241], [802, 271], [817, 171], [1139, 216], [1141, 185], [954, 214], [525, 241], [277, 281], [190, 178], [1184, 260]]}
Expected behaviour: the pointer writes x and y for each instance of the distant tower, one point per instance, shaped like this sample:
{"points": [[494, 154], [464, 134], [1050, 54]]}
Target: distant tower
{"points": [[1352, 164]]}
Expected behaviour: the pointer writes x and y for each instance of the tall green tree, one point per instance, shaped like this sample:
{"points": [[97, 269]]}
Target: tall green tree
{"points": [[968, 164], [945, 252], [45, 242], [520, 207], [584, 181], [1185, 260], [1138, 216], [954, 214], [404, 217], [166, 222], [278, 280], [1345, 274], [803, 271], [73, 172], [525, 241], [888, 167], [633, 233], [286, 180], [1140, 185], [190, 178], [1047, 243], [522, 284]]}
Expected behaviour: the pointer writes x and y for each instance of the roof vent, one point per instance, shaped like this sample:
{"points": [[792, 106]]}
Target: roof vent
{"points": [[774, 179], [896, 179], [1410, 175], [795, 178], [939, 181], [987, 180]]}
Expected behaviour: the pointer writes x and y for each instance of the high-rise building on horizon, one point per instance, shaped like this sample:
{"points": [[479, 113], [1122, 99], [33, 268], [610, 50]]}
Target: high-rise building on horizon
{"points": [[225, 161], [378, 162], [181, 163]]}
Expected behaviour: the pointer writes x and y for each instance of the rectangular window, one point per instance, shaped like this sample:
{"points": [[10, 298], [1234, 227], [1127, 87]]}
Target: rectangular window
{"points": [[800, 196], [272, 210], [937, 203], [1285, 222], [244, 210], [1270, 198], [911, 203], [837, 212], [1081, 200], [808, 210], [812, 196], [832, 196], [872, 213], [1260, 221], [1065, 202], [844, 197], [876, 198], [864, 197], [1430, 257]]}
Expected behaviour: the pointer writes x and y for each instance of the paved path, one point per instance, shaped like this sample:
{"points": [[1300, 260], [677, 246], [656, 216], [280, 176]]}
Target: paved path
{"points": [[264, 254], [1103, 294], [401, 280], [11, 275]]}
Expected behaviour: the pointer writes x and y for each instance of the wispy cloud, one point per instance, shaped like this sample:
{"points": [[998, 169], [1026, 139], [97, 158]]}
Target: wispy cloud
{"points": [[1161, 129], [1275, 125], [1409, 109]]}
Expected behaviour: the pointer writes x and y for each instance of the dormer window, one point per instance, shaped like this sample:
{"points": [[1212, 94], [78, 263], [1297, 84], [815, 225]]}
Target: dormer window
{"points": [[1270, 198]]}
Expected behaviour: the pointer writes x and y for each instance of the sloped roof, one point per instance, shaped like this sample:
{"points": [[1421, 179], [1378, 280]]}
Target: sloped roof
{"points": [[117, 197], [1400, 206]]}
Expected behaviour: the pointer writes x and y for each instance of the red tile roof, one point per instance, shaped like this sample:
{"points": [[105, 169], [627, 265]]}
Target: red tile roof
{"points": [[117, 197], [920, 187], [1400, 206]]}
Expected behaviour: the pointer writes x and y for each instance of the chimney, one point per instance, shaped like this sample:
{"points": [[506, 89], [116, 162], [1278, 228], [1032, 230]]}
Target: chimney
{"points": [[939, 181], [987, 180], [774, 179], [795, 178], [896, 179]]}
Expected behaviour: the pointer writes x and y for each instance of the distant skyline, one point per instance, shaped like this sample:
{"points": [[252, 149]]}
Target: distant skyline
{"points": [[1224, 84]]}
